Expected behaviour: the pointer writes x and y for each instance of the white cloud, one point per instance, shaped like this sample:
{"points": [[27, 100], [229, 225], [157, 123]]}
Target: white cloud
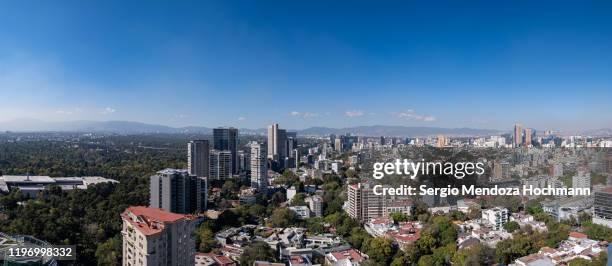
{"points": [[353, 113], [64, 112], [241, 118], [304, 115], [412, 115], [107, 111]]}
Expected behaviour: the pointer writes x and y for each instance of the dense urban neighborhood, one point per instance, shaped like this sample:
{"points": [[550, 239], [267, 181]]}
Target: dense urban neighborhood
{"points": [[226, 198]]}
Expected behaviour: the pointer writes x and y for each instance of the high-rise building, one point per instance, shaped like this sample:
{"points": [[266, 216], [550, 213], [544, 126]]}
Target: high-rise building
{"points": [[501, 170], [556, 170], [244, 161], [518, 137], [277, 143], [259, 166], [220, 165], [338, 144], [441, 142], [363, 204], [291, 143], [156, 237], [177, 191], [528, 135], [227, 139], [602, 207], [197, 158], [582, 179]]}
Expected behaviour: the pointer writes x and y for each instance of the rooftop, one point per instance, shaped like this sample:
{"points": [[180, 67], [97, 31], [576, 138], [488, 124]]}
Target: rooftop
{"points": [[150, 221]]}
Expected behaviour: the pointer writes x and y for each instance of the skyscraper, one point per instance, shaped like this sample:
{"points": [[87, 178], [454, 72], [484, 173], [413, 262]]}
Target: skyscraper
{"points": [[291, 144], [441, 142], [227, 139], [259, 166], [518, 137], [197, 158], [272, 145], [277, 145], [220, 165], [528, 133], [177, 191]]}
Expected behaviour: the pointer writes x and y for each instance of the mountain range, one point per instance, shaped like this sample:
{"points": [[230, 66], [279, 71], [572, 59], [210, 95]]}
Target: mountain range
{"points": [[130, 127]]}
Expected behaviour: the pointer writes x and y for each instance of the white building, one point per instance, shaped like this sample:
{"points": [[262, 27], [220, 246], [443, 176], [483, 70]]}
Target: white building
{"points": [[315, 203], [302, 211], [495, 217], [291, 192], [220, 165], [259, 166], [581, 180], [30, 185]]}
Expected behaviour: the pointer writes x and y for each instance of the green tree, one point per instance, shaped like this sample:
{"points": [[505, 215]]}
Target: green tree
{"points": [[380, 249], [205, 239], [109, 252], [426, 260], [512, 226], [257, 251], [283, 217], [399, 217]]}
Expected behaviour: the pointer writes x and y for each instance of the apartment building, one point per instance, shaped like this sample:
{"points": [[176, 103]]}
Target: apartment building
{"points": [[153, 236]]}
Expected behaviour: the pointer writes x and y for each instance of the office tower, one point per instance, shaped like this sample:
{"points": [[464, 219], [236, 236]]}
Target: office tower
{"points": [[259, 166], [582, 179], [338, 144], [291, 144], [528, 136], [277, 143], [441, 142], [332, 140], [517, 138], [197, 158], [177, 191], [227, 139], [220, 165], [348, 141], [324, 151], [157, 237], [602, 207], [244, 161]]}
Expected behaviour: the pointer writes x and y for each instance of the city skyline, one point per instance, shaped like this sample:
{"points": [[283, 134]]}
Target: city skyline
{"points": [[309, 64]]}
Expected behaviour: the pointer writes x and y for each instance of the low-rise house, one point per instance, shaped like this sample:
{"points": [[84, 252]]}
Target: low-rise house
{"points": [[210, 259], [534, 260], [351, 257], [525, 220]]}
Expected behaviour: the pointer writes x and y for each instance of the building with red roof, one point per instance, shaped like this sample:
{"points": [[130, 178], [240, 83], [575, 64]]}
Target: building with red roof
{"points": [[153, 236]]}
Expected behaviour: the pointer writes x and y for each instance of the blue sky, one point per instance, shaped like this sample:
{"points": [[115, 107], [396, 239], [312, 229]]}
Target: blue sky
{"points": [[481, 64]]}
